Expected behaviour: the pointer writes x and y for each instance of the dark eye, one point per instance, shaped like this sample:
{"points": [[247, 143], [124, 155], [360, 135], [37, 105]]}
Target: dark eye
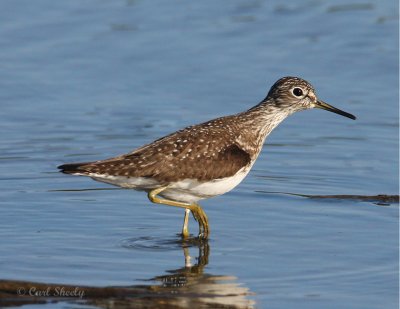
{"points": [[298, 92]]}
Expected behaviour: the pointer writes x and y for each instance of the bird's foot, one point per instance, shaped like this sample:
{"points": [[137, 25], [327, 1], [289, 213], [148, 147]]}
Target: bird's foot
{"points": [[200, 216]]}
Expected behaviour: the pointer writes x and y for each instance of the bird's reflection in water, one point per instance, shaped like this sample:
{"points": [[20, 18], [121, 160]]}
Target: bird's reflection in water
{"points": [[187, 287], [183, 277], [192, 287]]}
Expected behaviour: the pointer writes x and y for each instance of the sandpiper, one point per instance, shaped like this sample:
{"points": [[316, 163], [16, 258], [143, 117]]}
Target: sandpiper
{"points": [[204, 160]]}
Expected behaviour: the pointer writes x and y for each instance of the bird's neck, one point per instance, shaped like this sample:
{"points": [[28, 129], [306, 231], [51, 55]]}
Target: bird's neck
{"points": [[260, 120], [267, 117]]}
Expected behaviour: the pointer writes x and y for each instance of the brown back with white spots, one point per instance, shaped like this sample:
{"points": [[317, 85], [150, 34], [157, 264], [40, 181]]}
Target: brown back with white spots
{"points": [[204, 152]]}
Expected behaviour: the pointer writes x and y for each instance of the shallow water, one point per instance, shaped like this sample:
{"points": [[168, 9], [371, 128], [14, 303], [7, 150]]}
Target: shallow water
{"points": [[86, 81]]}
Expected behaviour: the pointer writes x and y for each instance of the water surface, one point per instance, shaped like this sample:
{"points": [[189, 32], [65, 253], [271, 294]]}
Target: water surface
{"points": [[86, 81]]}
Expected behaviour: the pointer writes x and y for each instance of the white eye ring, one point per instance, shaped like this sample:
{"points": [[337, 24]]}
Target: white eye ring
{"points": [[298, 92]]}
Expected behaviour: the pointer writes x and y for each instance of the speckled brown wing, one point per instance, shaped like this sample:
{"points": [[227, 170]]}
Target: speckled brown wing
{"points": [[203, 152]]}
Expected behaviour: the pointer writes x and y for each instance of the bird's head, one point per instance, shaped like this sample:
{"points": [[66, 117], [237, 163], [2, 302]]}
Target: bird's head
{"points": [[294, 94]]}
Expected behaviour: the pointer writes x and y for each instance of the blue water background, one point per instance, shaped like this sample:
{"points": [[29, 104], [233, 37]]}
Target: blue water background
{"points": [[82, 81]]}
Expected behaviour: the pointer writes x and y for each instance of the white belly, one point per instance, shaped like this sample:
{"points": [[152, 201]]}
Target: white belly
{"points": [[187, 190], [190, 190]]}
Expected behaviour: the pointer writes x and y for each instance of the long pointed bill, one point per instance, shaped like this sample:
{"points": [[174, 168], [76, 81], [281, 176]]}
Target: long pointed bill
{"points": [[326, 106]]}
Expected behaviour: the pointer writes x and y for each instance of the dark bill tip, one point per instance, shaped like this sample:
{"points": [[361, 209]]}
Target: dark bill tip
{"points": [[326, 106]]}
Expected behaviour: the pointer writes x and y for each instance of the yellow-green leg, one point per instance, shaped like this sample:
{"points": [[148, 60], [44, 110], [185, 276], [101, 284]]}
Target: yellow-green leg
{"points": [[185, 227], [198, 213]]}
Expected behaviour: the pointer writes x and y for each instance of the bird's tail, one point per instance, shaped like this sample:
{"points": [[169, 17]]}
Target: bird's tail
{"points": [[75, 168]]}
